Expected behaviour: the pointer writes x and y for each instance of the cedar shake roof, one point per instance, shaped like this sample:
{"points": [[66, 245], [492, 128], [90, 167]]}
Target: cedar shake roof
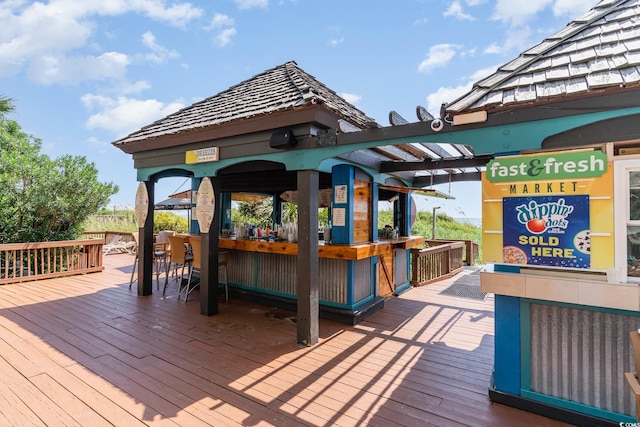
{"points": [[285, 87], [598, 52]]}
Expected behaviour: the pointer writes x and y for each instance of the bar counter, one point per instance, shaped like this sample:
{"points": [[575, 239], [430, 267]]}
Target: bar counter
{"points": [[348, 274], [345, 252]]}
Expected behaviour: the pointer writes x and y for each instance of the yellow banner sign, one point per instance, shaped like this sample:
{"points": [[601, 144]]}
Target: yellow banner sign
{"points": [[202, 155]]}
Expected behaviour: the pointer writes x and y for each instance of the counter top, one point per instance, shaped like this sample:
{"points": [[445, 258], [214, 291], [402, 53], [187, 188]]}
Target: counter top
{"points": [[346, 252]]}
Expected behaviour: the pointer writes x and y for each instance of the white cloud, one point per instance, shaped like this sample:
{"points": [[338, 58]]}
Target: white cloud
{"points": [[351, 98], [51, 69], [220, 20], [336, 42], [455, 10], [250, 4], [445, 95], [123, 115], [100, 146], [225, 29], [223, 38], [572, 8], [159, 54], [439, 56], [515, 39], [35, 34], [517, 12]]}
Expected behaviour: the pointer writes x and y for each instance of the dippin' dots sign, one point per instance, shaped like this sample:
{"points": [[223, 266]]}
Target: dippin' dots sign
{"points": [[579, 164]]}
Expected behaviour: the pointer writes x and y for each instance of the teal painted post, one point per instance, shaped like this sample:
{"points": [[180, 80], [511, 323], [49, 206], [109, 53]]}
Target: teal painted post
{"points": [[225, 205], [342, 179], [507, 344], [194, 228], [374, 212]]}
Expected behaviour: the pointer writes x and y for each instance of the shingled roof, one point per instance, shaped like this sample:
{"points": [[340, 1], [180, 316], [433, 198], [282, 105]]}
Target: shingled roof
{"points": [[598, 52], [285, 87]]}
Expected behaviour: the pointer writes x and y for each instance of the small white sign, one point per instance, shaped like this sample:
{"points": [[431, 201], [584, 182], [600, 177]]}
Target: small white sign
{"points": [[339, 217], [340, 194]]}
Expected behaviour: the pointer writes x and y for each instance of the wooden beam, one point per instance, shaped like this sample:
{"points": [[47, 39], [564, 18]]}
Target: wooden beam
{"points": [[478, 161], [444, 178]]}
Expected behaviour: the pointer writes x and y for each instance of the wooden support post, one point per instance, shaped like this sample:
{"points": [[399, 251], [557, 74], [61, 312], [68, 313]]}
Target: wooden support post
{"points": [[145, 248], [307, 263], [210, 248]]}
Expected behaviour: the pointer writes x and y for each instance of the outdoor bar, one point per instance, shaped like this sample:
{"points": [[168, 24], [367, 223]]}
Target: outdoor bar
{"points": [[274, 136]]}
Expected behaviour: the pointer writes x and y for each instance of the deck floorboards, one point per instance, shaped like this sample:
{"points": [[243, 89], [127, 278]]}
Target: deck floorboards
{"points": [[87, 351]]}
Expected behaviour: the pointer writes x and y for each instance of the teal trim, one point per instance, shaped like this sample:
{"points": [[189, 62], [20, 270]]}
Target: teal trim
{"points": [[578, 407], [361, 302], [195, 184], [510, 138], [506, 268], [403, 287], [374, 212], [225, 206], [507, 352], [525, 345]]}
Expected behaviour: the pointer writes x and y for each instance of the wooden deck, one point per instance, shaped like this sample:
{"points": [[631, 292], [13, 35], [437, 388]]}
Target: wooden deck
{"points": [[87, 351]]}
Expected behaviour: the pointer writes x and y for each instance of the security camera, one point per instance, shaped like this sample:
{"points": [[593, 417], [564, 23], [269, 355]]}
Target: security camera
{"points": [[437, 125]]}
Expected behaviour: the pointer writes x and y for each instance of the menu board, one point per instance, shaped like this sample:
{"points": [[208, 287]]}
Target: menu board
{"points": [[547, 231], [206, 203], [141, 205]]}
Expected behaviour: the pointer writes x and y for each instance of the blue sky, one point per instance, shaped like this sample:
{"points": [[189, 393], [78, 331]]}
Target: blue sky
{"points": [[85, 73]]}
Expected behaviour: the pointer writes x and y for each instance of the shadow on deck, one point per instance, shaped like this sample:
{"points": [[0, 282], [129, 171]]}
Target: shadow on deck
{"points": [[86, 350]]}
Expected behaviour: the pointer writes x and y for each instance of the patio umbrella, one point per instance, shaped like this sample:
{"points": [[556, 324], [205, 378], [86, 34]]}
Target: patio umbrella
{"points": [[173, 203]]}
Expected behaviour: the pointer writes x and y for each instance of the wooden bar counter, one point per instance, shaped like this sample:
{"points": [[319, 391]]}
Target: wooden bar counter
{"points": [[348, 278], [346, 252]]}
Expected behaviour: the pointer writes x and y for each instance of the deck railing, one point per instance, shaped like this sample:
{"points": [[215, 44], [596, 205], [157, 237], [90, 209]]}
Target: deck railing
{"points": [[471, 249], [126, 236], [21, 262], [436, 263]]}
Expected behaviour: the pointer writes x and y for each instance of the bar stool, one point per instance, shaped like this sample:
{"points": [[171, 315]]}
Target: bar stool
{"points": [[223, 259], [161, 251], [196, 247], [177, 258]]}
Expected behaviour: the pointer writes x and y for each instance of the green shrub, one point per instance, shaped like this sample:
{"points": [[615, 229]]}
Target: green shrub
{"points": [[170, 221]]}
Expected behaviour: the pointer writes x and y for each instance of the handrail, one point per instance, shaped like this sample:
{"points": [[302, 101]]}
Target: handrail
{"points": [[21, 262], [436, 263], [471, 250], [127, 236]]}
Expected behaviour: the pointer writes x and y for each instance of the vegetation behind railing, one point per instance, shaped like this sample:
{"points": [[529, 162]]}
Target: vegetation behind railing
{"points": [[436, 263], [21, 262]]}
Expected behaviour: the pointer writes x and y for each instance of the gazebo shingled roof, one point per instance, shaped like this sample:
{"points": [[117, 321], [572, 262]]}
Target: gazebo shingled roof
{"points": [[282, 88], [597, 52]]}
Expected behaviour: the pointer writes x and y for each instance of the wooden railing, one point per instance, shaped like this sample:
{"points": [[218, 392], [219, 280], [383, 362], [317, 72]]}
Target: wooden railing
{"points": [[107, 236], [471, 251], [21, 262], [436, 263]]}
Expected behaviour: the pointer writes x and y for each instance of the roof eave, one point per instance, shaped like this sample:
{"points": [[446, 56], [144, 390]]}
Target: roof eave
{"points": [[307, 114]]}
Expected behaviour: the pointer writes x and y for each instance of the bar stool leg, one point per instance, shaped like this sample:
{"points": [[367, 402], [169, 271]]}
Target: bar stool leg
{"points": [[133, 271]]}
